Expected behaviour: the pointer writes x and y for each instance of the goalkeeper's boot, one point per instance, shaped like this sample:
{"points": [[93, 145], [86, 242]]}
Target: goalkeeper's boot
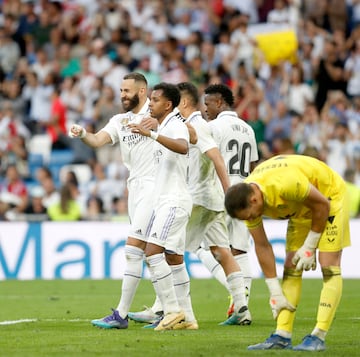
{"points": [[274, 342], [146, 316], [310, 343], [242, 317], [170, 320], [112, 321]]}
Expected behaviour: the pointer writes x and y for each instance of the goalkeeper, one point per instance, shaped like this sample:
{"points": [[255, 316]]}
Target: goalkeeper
{"points": [[313, 198]]}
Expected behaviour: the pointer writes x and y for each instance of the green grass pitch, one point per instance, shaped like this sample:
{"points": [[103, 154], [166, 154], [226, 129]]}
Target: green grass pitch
{"points": [[56, 318]]}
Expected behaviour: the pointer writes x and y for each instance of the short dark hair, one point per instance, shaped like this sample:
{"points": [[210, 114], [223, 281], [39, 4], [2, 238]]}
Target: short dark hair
{"points": [[190, 90], [136, 76], [223, 90], [237, 197], [170, 91]]}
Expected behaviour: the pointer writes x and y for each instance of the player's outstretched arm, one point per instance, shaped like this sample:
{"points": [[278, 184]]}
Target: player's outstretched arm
{"points": [[305, 257], [266, 258], [97, 140]]}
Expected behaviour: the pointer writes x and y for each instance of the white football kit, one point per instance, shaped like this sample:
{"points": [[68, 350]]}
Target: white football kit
{"points": [[171, 198], [237, 144], [137, 154], [207, 221]]}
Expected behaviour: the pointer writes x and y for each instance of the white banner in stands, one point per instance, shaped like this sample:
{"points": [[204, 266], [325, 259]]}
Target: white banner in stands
{"points": [[95, 250]]}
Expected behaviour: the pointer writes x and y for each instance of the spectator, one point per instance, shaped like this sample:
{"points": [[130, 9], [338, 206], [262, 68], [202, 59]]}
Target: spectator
{"points": [[279, 126], [67, 209], [353, 192], [120, 209], [339, 148], [46, 181], [9, 53], [279, 14], [13, 193], [35, 207], [56, 124], [72, 99], [104, 187], [297, 92], [105, 107], [42, 66], [38, 96], [140, 12], [40, 33], [151, 76], [352, 71], [95, 209], [243, 46], [114, 78], [330, 73], [13, 137], [68, 66], [11, 96], [27, 21], [99, 62]]}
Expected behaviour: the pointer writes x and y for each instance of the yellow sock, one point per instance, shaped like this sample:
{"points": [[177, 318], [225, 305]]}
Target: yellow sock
{"points": [[330, 297], [291, 286]]}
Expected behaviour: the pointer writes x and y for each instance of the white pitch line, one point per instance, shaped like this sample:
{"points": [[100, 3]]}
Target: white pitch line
{"points": [[13, 322], [16, 321]]}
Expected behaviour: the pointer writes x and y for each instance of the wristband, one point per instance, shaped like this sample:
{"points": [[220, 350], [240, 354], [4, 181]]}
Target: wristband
{"points": [[83, 134], [154, 135]]}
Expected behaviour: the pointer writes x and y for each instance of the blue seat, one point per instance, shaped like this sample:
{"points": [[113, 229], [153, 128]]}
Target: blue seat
{"points": [[58, 159], [61, 157], [34, 162]]}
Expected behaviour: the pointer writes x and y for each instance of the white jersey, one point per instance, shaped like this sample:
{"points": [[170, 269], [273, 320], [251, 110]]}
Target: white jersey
{"points": [[136, 150], [171, 178], [204, 185], [237, 144]]}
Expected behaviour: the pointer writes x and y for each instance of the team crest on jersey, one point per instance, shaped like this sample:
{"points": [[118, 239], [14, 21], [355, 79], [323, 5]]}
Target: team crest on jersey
{"points": [[124, 122]]}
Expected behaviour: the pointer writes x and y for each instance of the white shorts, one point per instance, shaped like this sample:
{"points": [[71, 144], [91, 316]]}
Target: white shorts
{"points": [[206, 228], [239, 235], [140, 207], [167, 228]]}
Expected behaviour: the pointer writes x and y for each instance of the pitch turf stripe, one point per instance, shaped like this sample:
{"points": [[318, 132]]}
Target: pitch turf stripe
{"points": [[13, 322]]}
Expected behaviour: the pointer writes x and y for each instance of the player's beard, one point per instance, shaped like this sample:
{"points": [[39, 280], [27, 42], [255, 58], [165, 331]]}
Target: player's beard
{"points": [[131, 103]]}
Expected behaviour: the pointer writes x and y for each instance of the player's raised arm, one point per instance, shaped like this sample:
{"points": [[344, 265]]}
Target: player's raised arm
{"points": [[97, 140]]}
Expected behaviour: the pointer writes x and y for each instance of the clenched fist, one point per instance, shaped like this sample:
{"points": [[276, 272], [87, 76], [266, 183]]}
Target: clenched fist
{"points": [[77, 131]]}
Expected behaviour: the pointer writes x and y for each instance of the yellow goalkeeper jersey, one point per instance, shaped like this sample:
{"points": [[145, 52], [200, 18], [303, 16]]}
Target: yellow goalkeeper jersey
{"points": [[285, 183]]}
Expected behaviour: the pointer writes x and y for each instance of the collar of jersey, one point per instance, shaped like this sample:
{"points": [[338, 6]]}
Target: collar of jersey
{"points": [[227, 113], [193, 115]]}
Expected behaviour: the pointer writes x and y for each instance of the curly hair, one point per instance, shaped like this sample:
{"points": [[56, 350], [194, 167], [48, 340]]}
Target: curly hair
{"points": [[222, 90]]}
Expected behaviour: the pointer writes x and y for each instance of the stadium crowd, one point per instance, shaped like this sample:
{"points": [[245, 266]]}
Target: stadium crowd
{"points": [[62, 62]]}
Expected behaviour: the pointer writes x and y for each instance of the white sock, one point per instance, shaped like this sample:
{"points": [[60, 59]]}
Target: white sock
{"points": [[156, 307], [245, 267], [182, 290], [133, 271], [164, 287], [237, 289], [319, 333], [283, 333], [212, 265]]}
